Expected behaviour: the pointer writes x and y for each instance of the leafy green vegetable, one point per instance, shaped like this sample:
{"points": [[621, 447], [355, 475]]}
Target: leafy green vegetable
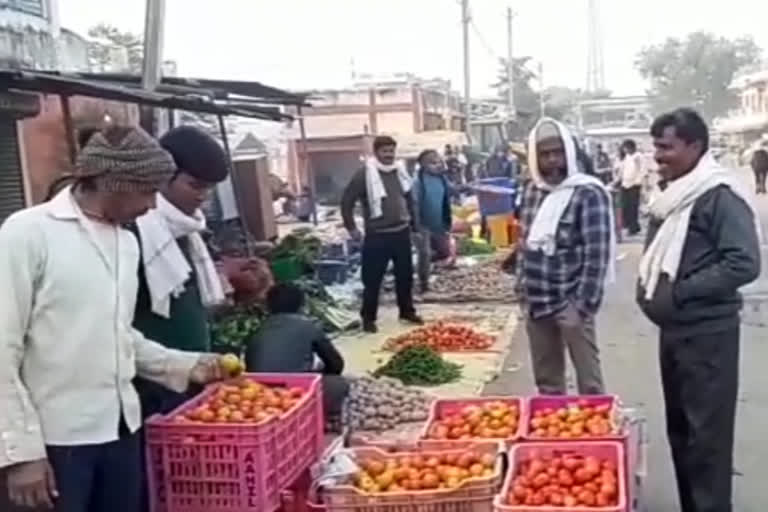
{"points": [[232, 328], [469, 247], [421, 366], [299, 244]]}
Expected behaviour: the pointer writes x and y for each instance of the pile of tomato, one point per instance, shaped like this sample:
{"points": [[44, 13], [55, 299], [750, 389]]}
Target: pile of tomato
{"points": [[243, 401], [575, 420], [494, 419], [417, 472], [565, 481], [443, 337]]}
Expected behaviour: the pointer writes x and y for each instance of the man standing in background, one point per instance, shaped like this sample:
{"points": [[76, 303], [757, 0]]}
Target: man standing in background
{"points": [[631, 178], [383, 186]]}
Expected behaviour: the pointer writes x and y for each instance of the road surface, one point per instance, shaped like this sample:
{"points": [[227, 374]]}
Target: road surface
{"points": [[629, 354]]}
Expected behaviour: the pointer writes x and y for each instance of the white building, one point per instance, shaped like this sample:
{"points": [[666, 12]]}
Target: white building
{"points": [[749, 121], [31, 37]]}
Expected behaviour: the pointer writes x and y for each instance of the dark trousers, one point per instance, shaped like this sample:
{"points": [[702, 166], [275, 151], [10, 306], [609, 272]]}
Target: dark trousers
{"points": [[760, 176], [630, 203], [378, 250], [98, 477], [700, 380]]}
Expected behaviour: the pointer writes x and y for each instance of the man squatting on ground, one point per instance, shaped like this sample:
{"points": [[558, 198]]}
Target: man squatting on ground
{"points": [[383, 186], [568, 253], [68, 352], [702, 245]]}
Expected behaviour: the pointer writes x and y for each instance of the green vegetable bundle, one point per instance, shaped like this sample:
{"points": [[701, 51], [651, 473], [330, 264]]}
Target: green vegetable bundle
{"points": [[299, 244], [470, 247], [420, 366], [232, 328]]}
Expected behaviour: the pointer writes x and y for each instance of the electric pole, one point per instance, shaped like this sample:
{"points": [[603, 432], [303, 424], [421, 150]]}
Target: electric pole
{"points": [[154, 23], [512, 112], [465, 19], [542, 104]]}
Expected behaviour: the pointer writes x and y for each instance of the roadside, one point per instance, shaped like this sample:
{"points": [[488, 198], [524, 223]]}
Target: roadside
{"points": [[630, 364]]}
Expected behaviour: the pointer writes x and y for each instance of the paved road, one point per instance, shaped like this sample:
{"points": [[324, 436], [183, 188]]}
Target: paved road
{"points": [[629, 352]]}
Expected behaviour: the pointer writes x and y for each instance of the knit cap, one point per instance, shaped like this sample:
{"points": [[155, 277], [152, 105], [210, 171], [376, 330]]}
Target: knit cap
{"points": [[123, 159]]}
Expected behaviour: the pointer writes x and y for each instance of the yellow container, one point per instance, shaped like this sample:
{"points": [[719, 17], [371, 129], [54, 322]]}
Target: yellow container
{"points": [[476, 231], [498, 230]]}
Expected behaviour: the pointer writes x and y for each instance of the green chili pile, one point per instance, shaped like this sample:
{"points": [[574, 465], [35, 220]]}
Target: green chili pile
{"points": [[420, 366]]}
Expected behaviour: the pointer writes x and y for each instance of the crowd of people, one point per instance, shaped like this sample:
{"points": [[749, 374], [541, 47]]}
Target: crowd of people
{"points": [[90, 348]]}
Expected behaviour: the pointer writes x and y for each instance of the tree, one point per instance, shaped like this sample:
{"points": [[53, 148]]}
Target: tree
{"points": [[106, 42], [560, 102], [526, 98], [696, 71]]}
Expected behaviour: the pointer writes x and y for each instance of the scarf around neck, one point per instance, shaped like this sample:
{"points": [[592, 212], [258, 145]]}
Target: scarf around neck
{"points": [[165, 266], [375, 189], [543, 231], [674, 206]]}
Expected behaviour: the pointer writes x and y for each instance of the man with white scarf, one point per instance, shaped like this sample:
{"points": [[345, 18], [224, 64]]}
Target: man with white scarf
{"points": [[383, 186], [567, 249], [178, 280], [702, 246]]}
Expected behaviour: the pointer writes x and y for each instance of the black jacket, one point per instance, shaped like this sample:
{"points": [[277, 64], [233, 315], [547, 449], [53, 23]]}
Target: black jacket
{"points": [[721, 254]]}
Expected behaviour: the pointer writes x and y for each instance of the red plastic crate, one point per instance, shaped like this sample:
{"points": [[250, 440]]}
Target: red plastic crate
{"points": [[474, 495], [519, 453], [554, 402], [450, 406], [199, 467]]}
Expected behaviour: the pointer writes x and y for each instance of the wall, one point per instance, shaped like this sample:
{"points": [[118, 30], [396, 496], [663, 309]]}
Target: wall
{"points": [[44, 140], [334, 125], [36, 48], [395, 123]]}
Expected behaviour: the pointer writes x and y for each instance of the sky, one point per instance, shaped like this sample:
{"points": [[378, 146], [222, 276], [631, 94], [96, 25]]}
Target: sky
{"points": [[315, 44]]}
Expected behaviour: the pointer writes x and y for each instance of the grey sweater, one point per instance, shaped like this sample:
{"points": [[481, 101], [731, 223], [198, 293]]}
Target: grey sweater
{"points": [[397, 207], [721, 254]]}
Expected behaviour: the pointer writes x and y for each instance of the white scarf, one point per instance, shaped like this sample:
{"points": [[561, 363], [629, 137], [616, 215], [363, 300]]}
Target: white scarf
{"points": [[674, 205], [543, 230], [165, 267], [374, 186]]}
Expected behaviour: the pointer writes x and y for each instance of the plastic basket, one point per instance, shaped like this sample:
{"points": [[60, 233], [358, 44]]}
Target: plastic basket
{"points": [[451, 406], [197, 467], [474, 495], [331, 272], [495, 196], [610, 450], [554, 402]]}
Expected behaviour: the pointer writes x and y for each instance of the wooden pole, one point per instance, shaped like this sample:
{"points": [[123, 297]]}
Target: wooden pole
{"points": [[307, 167], [235, 188], [154, 23], [68, 128]]}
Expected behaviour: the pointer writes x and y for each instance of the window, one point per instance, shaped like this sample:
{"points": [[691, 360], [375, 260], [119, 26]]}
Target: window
{"points": [[33, 7]]}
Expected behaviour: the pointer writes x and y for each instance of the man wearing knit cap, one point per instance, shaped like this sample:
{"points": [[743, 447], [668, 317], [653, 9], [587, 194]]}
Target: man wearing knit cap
{"points": [[383, 187], [68, 352]]}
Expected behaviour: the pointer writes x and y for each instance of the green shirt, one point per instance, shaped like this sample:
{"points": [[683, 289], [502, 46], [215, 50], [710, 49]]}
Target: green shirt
{"points": [[187, 328]]}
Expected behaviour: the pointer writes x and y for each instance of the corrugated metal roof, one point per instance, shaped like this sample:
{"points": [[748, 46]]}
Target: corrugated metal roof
{"points": [[195, 100]]}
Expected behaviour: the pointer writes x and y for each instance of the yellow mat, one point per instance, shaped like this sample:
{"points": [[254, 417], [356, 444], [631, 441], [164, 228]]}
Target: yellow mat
{"points": [[363, 353]]}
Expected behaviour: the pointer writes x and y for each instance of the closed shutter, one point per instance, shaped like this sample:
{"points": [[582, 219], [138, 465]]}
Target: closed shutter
{"points": [[11, 180]]}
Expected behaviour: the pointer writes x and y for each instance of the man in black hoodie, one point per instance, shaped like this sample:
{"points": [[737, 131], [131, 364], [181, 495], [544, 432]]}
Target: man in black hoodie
{"points": [[702, 246]]}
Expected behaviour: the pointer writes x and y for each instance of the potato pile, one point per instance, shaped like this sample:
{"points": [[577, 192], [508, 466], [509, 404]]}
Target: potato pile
{"points": [[483, 282], [382, 404]]}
